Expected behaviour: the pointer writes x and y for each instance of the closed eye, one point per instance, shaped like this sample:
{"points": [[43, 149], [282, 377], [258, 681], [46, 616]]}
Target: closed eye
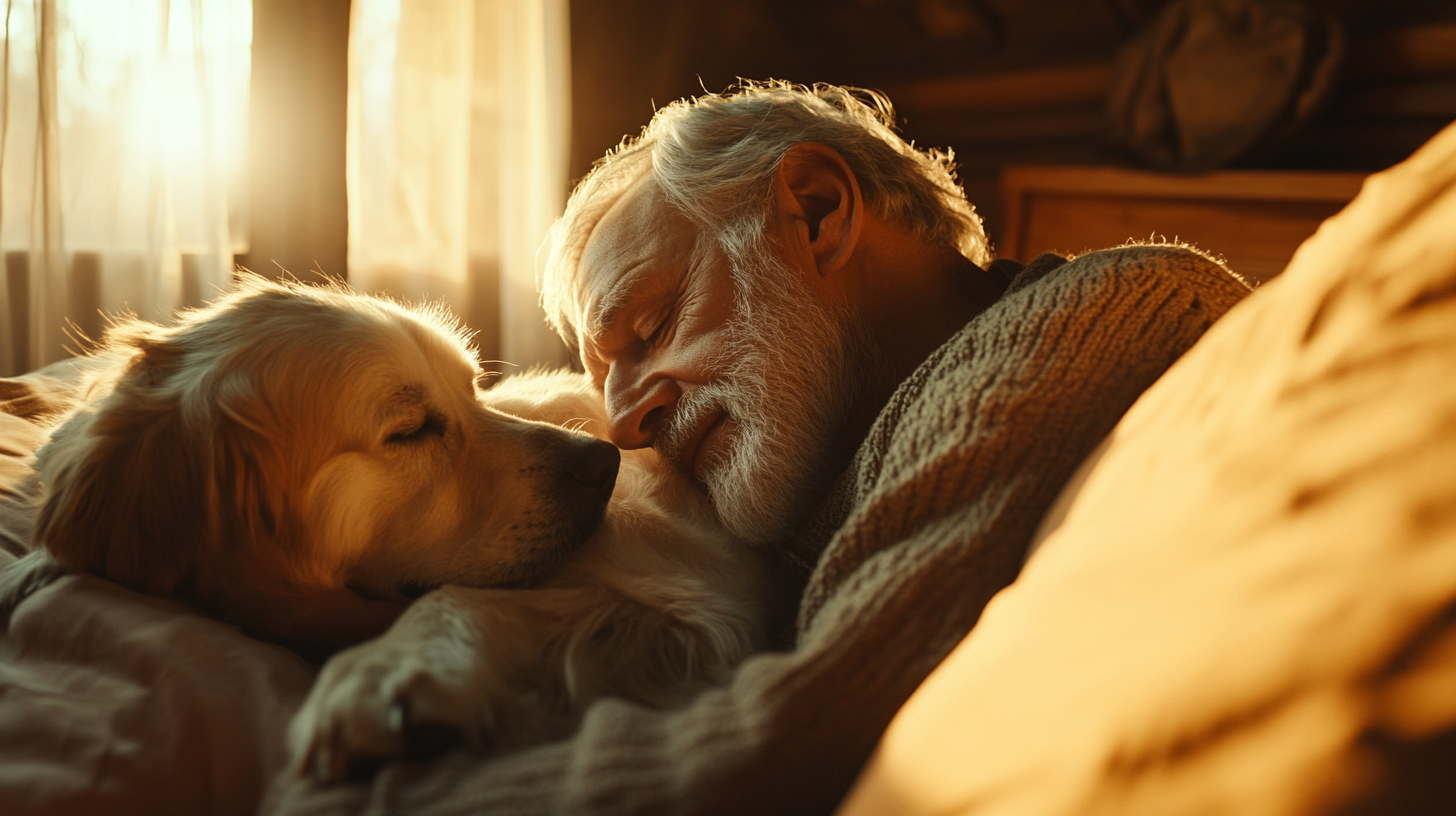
{"points": [[657, 332], [414, 589], [658, 335], [433, 425]]}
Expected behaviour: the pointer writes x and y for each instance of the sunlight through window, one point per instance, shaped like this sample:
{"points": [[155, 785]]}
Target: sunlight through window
{"points": [[122, 152]]}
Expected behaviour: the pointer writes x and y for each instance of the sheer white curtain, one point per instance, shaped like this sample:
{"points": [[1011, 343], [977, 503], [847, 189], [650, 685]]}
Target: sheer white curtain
{"points": [[457, 155], [121, 154]]}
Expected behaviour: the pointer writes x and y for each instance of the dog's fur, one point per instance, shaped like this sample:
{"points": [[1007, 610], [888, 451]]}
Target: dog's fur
{"points": [[303, 461]]}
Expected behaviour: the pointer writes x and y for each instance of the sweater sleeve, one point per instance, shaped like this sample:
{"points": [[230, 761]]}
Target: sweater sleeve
{"points": [[943, 498]]}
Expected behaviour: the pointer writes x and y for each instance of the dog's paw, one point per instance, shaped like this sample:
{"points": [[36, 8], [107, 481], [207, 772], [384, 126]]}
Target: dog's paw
{"points": [[380, 701]]}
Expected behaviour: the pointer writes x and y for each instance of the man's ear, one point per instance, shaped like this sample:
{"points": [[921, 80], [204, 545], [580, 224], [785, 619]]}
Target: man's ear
{"points": [[819, 203]]}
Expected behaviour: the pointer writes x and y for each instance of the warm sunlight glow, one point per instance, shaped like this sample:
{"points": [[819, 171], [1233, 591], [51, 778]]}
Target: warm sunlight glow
{"points": [[167, 68], [163, 85]]}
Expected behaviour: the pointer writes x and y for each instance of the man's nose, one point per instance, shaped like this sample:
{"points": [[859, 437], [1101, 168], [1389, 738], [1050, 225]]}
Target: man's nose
{"points": [[637, 408]]}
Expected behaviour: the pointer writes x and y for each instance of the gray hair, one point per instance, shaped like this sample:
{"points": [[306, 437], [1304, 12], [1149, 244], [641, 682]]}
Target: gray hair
{"points": [[714, 157]]}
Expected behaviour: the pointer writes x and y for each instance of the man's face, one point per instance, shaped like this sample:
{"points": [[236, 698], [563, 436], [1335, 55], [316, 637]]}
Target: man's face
{"points": [[741, 385]]}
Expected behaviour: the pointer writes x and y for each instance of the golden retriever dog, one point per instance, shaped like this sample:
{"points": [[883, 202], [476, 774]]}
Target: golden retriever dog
{"points": [[304, 461], [658, 604]]}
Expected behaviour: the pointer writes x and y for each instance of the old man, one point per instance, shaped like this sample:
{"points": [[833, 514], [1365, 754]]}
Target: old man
{"points": [[800, 309]]}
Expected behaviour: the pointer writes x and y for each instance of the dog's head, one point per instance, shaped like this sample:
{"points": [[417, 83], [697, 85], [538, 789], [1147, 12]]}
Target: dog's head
{"points": [[291, 436]]}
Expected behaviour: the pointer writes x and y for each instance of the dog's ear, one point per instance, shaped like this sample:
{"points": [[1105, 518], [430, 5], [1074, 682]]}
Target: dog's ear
{"points": [[122, 483], [247, 508], [140, 486]]}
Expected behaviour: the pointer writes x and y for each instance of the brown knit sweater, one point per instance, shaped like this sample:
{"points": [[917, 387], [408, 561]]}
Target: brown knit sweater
{"points": [[930, 521]]}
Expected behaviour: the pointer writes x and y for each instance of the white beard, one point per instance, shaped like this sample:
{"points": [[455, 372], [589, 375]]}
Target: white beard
{"points": [[788, 390]]}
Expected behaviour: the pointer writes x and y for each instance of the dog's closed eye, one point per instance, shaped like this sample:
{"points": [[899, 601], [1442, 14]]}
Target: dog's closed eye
{"points": [[430, 425], [414, 589]]}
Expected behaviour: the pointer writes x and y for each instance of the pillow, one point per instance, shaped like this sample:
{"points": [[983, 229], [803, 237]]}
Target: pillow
{"points": [[1246, 608], [18, 440], [27, 405]]}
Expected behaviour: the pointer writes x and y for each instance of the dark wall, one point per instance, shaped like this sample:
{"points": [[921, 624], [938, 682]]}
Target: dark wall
{"points": [[631, 54], [999, 81]]}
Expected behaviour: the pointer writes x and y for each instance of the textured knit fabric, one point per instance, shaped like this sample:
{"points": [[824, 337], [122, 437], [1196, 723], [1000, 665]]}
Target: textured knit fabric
{"points": [[931, 520]]}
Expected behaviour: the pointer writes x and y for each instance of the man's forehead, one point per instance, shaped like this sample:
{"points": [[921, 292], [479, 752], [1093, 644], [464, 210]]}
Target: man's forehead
{"points": [[626, 227], [639, 234]]}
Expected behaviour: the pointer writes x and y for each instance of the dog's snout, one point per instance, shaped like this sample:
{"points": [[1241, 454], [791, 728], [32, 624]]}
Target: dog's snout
{"points": [[594, 466]]}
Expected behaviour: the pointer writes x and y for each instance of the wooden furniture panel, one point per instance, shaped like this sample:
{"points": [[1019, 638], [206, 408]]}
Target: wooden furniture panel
{"points": [[1255, 220]]}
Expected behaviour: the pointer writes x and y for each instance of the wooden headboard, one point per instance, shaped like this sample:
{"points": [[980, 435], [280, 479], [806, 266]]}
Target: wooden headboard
{"points": [[1254, 219]]}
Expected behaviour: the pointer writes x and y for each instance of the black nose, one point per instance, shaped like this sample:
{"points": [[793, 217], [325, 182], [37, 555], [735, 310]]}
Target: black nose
{"points": [[594, 466]]}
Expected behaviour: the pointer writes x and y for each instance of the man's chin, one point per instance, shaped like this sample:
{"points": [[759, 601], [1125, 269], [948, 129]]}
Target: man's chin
{"points": [[752, 525], [761, 505]]}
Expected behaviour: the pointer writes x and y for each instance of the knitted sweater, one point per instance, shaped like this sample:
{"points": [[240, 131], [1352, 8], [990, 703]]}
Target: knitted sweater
{"points": [[931, 520]]}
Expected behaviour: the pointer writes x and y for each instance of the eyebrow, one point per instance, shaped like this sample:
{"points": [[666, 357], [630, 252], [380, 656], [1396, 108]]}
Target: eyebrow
{"points": [[406, 396]]}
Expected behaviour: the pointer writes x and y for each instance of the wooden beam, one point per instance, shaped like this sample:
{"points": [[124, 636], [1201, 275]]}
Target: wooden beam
{"points": [[1246, 185], [1067, 86], [1404, 53]]}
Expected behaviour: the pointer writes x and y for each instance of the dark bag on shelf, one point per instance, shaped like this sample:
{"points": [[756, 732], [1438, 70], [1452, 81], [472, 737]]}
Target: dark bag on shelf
{"points": [[1214, 82]]}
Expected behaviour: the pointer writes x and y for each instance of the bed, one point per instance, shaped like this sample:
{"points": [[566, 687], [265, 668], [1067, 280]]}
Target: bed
{"points": [[119, 703], [1242, 603]]}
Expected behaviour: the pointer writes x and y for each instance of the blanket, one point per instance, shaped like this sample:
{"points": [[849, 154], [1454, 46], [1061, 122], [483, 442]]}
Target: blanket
{"points": [[931, 520]]}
